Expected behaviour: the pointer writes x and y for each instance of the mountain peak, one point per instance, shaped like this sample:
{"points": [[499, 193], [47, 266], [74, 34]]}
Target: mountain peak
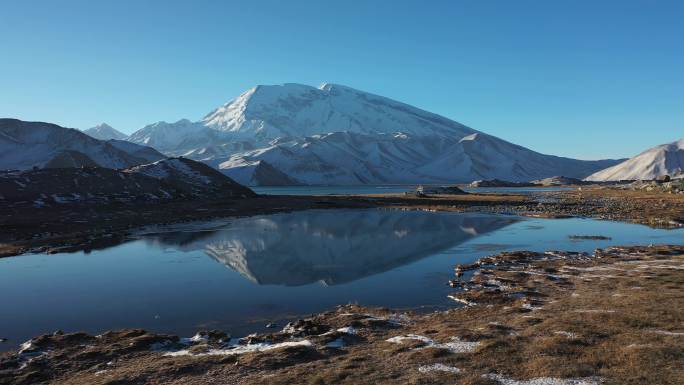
{"points": [[104, 131], [333, 87], [104, 125], [269, 112]]}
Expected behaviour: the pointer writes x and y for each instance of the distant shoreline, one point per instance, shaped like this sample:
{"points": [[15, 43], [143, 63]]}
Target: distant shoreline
{"points": [[72, 227]]}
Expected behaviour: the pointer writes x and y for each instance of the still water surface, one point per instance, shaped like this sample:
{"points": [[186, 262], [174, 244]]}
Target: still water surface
{"points": [[240, 274]]}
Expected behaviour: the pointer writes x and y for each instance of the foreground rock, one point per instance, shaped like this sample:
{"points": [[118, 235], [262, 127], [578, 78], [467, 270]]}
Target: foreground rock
{"points": [[532, 318]]}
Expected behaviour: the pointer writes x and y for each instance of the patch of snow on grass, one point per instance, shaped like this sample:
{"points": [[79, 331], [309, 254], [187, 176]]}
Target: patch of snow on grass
{"points": [[461, 300], [241, 349], [196, 338], [455, 345], [668, 333], [545, 380], [438, 368], [566, 334], [530, 306], [347, 330], [409, 337]]}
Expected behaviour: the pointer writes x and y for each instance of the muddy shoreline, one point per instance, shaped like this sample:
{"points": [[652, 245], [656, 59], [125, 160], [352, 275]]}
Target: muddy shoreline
{"points": [[611, 317], [23, 228]]}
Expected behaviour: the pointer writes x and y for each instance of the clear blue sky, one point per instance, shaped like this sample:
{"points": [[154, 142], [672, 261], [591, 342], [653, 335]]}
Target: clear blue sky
{"points": [[587, 79]]}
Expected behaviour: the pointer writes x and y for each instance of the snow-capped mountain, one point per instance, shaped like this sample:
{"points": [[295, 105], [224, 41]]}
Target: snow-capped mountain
{"points": [[103, 131], [665, 159], [337, 135], [24, 145]]}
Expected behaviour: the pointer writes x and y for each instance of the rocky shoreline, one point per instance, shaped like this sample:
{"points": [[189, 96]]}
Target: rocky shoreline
{"points": [[611, 317]]}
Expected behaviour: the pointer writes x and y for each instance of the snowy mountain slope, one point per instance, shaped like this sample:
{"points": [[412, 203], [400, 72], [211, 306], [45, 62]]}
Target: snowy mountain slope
{"points": [[175, 138], [665, 159], [144, 153], [103, 131], [338, 135], [265, 113], [169, 179], [24, 145], [258, 173], [191, 177], [349, 158], [281, 112]]}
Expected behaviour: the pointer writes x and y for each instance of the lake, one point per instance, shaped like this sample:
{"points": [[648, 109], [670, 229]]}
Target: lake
{"points": [[240, 274]]}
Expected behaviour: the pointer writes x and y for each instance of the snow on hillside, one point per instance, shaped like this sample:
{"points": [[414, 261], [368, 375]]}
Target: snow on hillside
{"points": [[164, 169], [24, 145], [257, 173], [103, 131], [170, 179], [145, 153], [174, 138], [190, 176], [350, 158], [665, 159], [338, 135]]}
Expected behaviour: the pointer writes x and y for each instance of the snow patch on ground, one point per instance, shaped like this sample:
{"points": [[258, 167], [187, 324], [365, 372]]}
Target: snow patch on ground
{"points": [[438, 368], [455, 345], [545, 380], [668, 333], [566, 334], [465, 302], [527, 306], [241, 349], [348, 330], [163, 169]]}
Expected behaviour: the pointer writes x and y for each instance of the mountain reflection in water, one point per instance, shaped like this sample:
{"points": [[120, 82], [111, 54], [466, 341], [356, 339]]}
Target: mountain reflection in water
{"points": [[330, 246]]}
